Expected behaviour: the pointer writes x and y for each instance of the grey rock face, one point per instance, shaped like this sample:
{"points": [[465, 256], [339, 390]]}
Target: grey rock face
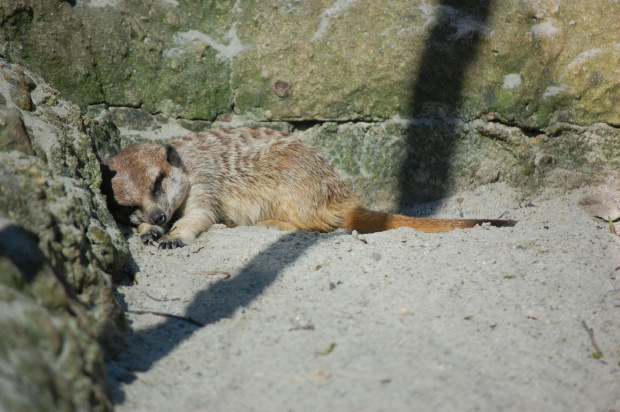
{"points": [[55, 194], [50, 360], [58, 249]]}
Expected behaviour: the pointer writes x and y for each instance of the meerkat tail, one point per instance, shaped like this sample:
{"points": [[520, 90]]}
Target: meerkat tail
{"points": [[368, 221]]}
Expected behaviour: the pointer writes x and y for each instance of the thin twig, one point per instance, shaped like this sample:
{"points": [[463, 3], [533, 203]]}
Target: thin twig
{"points": [[214, 272], [591, 335], [308, 327], [507, 212], [161, 300], [167, 315]]}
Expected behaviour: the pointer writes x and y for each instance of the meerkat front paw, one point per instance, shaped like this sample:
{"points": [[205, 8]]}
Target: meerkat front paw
{"points": [[171, 243], [174, 239], [150, 233]]}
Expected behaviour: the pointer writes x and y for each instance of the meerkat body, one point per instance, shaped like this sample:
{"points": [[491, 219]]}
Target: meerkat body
{"points": [[174, 192]]}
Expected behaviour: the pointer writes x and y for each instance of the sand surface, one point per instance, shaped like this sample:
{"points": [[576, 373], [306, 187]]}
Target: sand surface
{"points": [[477, 319]]}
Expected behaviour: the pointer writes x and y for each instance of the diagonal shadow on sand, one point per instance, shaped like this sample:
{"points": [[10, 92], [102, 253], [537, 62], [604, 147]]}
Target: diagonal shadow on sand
{"points": [[217, 302]]}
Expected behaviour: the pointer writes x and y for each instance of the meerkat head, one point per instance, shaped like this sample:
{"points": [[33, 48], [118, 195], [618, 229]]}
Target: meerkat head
{"points": [[145, 183]]}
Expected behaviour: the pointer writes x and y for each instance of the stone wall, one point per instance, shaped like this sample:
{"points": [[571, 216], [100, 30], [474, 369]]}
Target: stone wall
{"points": [[475, 91], [531, 63], [520, 91]]}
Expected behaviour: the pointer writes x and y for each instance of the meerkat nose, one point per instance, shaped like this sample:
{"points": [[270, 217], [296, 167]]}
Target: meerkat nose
{"points": [[157, 218]]}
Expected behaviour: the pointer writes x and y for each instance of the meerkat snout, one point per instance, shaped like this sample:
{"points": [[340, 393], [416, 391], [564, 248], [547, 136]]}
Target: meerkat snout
{"points": [[157, 217]]}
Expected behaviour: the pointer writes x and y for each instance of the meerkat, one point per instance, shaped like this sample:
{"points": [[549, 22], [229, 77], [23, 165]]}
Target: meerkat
{"points": [[173, 192]]}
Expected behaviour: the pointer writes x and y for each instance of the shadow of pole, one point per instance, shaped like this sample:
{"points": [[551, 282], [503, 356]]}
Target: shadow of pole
{"points": [[217, 302], [450, 49]]}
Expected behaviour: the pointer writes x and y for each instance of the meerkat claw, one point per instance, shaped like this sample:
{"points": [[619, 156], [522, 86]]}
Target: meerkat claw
{"points": [[171, 244], [151, 235]]}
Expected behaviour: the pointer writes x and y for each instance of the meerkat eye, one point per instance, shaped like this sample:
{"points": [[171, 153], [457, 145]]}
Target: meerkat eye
{"points": [[157, 185]]}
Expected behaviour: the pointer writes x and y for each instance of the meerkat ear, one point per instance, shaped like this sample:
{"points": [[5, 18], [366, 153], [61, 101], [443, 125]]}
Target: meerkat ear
{"points": [[173, 157]]}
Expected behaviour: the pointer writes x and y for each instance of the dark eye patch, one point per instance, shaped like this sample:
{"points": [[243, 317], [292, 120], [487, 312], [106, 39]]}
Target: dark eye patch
{"points": [[157, 185]]}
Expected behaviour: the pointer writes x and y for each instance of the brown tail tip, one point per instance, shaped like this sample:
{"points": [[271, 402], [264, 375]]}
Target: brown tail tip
{"points": [[499, 222], [446, 225]]}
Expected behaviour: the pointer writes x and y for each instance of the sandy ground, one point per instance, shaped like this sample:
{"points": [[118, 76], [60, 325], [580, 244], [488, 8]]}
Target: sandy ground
{"points": [[476, 319]]}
